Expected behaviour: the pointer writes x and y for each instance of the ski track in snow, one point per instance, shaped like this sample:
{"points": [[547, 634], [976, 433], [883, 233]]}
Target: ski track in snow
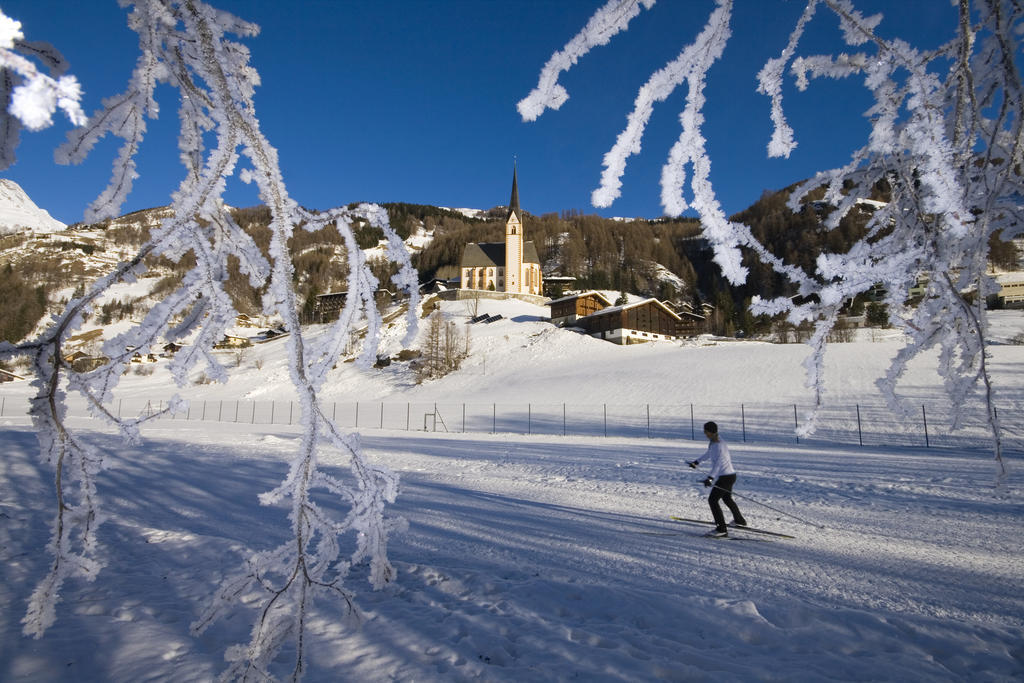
{"points": [[541, 558]]}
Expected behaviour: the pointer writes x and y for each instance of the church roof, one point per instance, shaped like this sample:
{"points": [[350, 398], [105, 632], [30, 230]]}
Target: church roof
{"points": [[488, 254], [484, 255]]}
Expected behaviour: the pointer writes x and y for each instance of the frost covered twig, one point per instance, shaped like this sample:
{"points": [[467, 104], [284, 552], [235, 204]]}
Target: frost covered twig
{"points": [[29, 97], [612, 18], [947, 137], [185, 43]]}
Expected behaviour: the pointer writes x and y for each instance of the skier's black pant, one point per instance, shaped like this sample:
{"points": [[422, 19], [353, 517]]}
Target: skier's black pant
{"points": [[722, 491]]}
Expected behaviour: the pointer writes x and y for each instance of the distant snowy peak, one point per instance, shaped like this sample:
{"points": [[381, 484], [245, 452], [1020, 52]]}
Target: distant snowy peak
{"points": [[18, 213]]}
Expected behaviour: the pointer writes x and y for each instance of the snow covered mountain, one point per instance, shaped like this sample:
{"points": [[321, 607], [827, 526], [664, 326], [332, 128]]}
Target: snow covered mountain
{"points": [[18, 213]]}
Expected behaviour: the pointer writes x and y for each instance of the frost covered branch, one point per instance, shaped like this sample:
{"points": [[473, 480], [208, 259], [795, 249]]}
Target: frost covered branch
{"points": [[946, 138], [29, 97], [185, 43], [611, 19]]}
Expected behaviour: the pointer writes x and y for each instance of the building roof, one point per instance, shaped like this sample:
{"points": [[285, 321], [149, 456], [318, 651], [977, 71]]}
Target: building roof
{"points": [[492, 254], [570, 297], [614, 309], [484, 255], [1012, 277]]}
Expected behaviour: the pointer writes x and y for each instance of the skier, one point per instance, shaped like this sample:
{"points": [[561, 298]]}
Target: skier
{"points": [[721, 481]]}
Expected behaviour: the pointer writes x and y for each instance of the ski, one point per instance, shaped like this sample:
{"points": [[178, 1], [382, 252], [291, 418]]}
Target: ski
{"points": [[731, 537], [739, 528]]}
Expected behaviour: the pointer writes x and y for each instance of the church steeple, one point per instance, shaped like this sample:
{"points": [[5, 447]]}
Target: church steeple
{"points": [[514, 241], [513, 203]]}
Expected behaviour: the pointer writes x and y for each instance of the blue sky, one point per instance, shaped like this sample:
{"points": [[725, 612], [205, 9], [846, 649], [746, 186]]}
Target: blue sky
{"points": [[414, 101]]}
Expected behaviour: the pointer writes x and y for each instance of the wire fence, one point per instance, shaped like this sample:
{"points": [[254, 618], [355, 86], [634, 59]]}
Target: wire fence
{"points": [[925, 424]]}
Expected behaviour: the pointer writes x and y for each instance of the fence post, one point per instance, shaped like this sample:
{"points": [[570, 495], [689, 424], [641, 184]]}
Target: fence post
{"points": [[291, 411], [220, 411], [796, 424], [254, 412], [743, 421], [3, 401], [924, 416], [494, 418], [273, 407], [119, 402], [236, 410], [606, 419], [860, 433]]}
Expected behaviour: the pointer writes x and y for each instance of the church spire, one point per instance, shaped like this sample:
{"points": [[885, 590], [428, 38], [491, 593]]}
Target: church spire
{"points": [[513, 203]]}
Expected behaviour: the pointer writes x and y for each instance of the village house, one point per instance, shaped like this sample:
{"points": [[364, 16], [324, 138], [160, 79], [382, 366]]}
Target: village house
{"points": [[556, 285], [1011, 289], [170, 348], [643, 321], [232, 342], [692, 324], [80, 361], [568, 309], [327, 307]]}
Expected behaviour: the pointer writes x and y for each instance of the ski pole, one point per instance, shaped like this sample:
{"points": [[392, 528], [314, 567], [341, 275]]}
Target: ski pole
{"points": [[756, 502]]}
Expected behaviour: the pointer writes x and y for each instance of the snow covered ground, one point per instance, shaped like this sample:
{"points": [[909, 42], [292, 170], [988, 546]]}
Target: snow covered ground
{"points": [[549, 557]]}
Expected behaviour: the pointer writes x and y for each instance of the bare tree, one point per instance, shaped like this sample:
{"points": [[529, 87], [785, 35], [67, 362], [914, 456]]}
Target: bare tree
{"points": [[444, 348]]}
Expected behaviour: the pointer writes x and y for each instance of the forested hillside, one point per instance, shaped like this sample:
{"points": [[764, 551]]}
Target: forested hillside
{"points": [[600, 253], [665, 258]]}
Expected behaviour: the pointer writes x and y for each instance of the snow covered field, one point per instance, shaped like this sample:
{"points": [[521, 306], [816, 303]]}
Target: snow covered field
{"points": [[543, 557]]}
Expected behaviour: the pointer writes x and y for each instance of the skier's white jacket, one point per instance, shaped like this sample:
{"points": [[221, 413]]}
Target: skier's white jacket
{"points": [[721, 461]]}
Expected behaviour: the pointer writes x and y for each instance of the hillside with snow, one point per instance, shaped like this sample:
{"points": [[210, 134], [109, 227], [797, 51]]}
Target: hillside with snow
{"points": [[541, 556], [18, 213]]}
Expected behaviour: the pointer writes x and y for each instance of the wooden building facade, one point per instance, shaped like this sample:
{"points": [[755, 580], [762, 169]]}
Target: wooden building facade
{"points": [[644, 321], [568, 309]]}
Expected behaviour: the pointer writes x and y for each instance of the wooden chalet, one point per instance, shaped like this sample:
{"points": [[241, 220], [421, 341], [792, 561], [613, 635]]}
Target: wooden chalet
{"points": [[643, 321], [170, 348], [328, 306], [568, 309], [555, 285], [691, 323], [232, 342]]}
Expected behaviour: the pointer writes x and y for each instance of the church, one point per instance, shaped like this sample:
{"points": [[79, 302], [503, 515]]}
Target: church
{"points": [[512, 266]]}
